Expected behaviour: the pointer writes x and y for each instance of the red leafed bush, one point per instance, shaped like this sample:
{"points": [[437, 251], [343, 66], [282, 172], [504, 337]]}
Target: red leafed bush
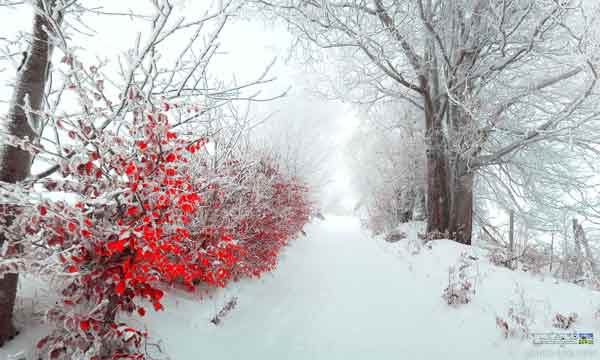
{"points": [[257, 206], [147, 215], [124, 236]]}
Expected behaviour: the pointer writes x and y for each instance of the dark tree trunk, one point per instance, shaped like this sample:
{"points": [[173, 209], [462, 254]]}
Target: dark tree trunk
{"points": [[460, 134], [8, 293], [588, 252], [438, 199], [437, 185], [15, 163], [577, 235], [461, 212]]}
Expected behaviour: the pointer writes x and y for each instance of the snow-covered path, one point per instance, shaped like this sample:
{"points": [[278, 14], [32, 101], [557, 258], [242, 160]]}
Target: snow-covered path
{"points": [[336, 295], [340, 295]]}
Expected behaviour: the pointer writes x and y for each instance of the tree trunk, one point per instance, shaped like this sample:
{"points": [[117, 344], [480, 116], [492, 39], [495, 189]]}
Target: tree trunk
{"points": [[15, 163], [437, 186], [581, 240], [577, 234], [461, 211], [588, 252]]}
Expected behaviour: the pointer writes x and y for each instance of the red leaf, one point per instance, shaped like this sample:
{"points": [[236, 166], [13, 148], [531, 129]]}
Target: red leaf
{"points": [[225, 237], [134, 187], [120, 288], [141, 311], [130, 169], [84, 325], [116, 246], [191, 149], [187, 208], [183, 232], [193, 197], [43, 211], [85, 233], [132, 210], [157, 294], [55, 353], [171, 157], [42, 342]]}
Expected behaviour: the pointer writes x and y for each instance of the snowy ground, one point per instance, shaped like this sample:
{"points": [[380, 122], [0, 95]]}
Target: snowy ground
{"points": [[338, 294]]}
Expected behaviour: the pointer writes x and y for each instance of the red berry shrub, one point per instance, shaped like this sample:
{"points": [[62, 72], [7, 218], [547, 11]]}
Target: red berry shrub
{"points": [[149, 212]]}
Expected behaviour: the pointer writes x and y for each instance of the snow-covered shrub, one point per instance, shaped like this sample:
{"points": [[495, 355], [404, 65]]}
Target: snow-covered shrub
{"points": [[461, 287], [531, 259], [113, 218], [515, 325], [498, 256], [518, 320], [394, 236], [564, 321], [138, 221], [124, 236], [458, 293], [259, 207]]}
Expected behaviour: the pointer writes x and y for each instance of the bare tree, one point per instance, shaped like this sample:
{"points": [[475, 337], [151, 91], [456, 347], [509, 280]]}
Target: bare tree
{"points": [[493, 81]]}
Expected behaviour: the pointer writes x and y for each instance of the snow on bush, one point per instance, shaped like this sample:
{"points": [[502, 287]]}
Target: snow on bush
{"points": [[145, 215], [519, 318], [257, 203], [461, 287], [564, 321], [500, 256]]}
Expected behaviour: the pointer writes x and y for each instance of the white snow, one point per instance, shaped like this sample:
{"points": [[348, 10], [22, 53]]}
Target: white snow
{"points": [[339, 294]]}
